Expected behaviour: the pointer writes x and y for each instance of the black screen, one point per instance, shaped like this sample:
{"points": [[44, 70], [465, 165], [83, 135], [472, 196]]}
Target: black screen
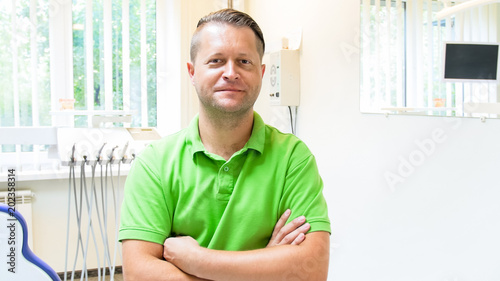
{"points": [[471, 61]]}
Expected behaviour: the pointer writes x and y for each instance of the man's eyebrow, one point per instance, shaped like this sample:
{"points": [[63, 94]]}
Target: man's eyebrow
{"points": [[241, 54], [216, 54]]}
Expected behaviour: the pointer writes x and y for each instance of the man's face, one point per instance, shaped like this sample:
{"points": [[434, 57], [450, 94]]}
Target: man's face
{"points": [[227, 71]]}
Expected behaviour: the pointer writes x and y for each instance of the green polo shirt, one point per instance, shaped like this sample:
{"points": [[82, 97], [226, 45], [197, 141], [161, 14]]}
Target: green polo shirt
{"points": [[176, 187]]}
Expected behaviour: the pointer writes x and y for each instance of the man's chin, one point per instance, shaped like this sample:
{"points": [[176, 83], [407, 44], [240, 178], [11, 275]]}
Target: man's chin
{"points": [[229, 111]]}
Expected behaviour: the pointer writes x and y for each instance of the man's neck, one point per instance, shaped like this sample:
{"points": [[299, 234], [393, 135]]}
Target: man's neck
{"points": [[225, 136]]}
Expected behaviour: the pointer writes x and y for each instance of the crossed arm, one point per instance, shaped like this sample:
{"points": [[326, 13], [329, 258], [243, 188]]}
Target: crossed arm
{"points": [[290, 255]]}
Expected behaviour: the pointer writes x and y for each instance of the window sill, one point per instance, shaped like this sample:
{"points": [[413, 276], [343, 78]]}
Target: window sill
{"points": [[416, 109]]}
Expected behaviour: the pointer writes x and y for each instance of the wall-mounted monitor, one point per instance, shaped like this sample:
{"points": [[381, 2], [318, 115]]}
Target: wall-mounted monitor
{"points": [[469, 62]]}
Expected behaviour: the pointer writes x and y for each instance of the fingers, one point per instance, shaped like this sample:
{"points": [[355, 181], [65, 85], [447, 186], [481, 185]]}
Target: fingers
{"points": [[290, 228], [300, 238], [281, 222], [295, 234], [292, 233]]}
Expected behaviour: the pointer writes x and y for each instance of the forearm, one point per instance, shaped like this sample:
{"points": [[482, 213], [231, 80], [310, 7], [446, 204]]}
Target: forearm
{"points": [[279, 263], [157, 270], [308, 261], [143, 261]]}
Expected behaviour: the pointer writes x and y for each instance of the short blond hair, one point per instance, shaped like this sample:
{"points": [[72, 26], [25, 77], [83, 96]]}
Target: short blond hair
{"points": [[231, 17]]}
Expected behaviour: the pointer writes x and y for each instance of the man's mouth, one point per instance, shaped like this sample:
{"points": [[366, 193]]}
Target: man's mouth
{"points": [[228, 90]]}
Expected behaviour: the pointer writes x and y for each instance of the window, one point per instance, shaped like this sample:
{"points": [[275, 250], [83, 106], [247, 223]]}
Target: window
{"points": [[401, 56], [114, 58], [101, 54], [24, 66]]}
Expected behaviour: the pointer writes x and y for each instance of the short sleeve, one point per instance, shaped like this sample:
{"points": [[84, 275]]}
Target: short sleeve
{"points": [[303, 194], [144, 212]]}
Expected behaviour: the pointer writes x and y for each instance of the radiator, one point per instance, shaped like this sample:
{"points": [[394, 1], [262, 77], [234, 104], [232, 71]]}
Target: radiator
{"points": [[23, 206]]}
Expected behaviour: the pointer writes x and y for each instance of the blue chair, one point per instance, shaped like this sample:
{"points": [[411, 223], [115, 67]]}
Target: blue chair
{"points": [[26, 265]]}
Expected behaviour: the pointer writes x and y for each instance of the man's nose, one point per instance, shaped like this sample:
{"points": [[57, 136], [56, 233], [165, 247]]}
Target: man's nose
{"points": [[231, 71]]}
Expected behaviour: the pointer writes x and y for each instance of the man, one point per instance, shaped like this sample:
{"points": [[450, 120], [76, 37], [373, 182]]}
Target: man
{"points": [[215, 200]]}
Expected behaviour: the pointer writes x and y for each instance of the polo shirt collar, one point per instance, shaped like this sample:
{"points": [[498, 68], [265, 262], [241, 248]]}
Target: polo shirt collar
{"points": [[256, 141]]}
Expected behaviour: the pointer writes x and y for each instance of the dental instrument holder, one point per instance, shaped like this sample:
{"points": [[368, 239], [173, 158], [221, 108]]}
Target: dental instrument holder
{"points": [[102, 145], [89, 148]]}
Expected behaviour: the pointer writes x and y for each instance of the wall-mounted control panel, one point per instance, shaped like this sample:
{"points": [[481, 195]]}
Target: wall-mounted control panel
{"points": [[284, 77]]}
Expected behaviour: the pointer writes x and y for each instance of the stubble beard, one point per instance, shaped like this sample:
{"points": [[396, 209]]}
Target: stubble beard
{"points": [[219, 113]]}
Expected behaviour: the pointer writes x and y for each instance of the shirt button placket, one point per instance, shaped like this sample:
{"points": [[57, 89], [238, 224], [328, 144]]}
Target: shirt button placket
{"points": [[225, 181]]}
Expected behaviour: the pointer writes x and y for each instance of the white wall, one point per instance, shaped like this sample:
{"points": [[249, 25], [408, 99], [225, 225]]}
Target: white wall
{"points": [[443, 222]]}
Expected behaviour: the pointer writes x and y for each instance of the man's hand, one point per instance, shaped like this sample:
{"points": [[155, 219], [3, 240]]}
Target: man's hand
{"points": [[291, 234], [180, 250]]}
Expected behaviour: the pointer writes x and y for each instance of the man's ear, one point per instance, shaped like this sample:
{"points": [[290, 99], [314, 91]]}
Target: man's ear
{"points": [[190, 67], [263, 66]]}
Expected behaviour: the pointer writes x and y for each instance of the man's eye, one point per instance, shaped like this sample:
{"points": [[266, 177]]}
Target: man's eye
{"points": [[245, 62], [214, 61]]}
